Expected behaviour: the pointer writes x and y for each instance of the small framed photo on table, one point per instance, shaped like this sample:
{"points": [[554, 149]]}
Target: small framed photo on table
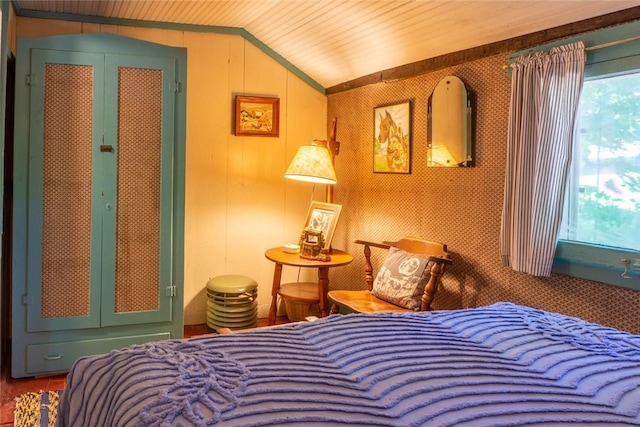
{"points": [[321, 218], [257, 116]]}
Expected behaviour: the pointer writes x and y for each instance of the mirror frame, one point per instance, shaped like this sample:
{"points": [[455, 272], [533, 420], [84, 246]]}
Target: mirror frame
{"points": [[467, 107]]}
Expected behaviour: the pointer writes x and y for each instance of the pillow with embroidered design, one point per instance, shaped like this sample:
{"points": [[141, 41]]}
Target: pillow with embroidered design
{"points": [[402, 278]]}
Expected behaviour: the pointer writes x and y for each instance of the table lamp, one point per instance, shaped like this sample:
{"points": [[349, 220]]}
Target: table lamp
{"points": [[314, 163]]}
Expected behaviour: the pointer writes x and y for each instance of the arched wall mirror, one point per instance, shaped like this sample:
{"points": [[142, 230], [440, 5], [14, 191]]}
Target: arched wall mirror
{"points": [[450, 125]]}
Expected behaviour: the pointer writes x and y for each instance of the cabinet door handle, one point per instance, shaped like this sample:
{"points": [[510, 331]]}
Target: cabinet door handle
{"points": [[58, 357], [106, 148]]}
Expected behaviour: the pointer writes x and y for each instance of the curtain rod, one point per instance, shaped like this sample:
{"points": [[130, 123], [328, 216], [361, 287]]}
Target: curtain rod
{"points": [[599, 46], [617, 42]]}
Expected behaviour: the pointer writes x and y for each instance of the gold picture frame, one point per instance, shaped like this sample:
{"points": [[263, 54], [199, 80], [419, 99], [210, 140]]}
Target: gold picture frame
{"points": [[392, 138], [322, 217], [257, 116]]}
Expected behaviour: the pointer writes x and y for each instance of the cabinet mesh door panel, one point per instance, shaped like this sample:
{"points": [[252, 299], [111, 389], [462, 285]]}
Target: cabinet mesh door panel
{"points": [[66, 209], [138, 197]]}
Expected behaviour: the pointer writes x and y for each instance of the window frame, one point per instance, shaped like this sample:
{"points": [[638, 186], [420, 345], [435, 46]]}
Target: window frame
{"points": [[618, 51]]}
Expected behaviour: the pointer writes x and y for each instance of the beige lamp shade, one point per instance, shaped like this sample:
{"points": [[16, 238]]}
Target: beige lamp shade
{"points": [[312, 163]]}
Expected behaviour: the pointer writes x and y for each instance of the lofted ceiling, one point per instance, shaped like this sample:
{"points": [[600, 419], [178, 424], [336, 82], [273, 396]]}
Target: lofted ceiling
{"points": [[335, 41]]}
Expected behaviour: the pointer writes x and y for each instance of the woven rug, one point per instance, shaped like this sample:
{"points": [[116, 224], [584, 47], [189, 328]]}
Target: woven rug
{"points": [[36, 409]]}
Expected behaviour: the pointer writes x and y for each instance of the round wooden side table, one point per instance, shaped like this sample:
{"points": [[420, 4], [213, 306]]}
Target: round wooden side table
{"points": [[282, 258]]}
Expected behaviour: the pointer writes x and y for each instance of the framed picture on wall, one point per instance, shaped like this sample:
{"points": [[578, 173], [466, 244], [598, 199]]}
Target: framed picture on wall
{"points": [[257, 116], [392, 138]]}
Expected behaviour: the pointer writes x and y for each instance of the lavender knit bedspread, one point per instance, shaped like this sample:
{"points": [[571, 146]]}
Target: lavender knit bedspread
{"points": [[501, 365]]}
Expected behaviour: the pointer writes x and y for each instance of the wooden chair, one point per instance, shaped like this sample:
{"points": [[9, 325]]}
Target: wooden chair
{"points": [[364, 301]]}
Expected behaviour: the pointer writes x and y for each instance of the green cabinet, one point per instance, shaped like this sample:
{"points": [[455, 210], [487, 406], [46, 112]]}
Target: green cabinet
{"points": [[98, 198]]}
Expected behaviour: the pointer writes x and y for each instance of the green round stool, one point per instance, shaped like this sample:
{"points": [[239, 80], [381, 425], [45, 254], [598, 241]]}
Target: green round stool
{"points": [[232, 302]]}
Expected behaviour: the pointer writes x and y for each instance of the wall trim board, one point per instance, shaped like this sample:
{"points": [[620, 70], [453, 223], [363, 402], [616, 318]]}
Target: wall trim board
{"points": [[5, 321], [25, 13], [623, 36], [502, 47]]}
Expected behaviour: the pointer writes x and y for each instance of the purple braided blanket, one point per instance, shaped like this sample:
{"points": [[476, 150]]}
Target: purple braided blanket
{"points": [[502, 365]]}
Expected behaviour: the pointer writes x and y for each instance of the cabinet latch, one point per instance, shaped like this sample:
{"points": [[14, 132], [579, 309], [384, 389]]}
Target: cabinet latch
{"points": [[27, 299], [175, 87], [30, 80]]}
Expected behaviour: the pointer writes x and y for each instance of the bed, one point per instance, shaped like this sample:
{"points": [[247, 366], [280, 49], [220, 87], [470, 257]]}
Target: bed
{"points": [[500, 365]]}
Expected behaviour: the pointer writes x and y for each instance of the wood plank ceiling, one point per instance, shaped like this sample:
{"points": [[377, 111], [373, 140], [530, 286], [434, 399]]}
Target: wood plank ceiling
{"points": [[337, 41]]}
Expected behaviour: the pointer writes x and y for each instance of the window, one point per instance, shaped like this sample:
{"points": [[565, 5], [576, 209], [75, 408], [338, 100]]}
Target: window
{"points": [[601, 220], [603, 197]]}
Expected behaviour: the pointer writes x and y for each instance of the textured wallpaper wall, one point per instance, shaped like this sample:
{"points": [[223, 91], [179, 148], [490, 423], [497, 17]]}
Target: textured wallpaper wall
{"points": [[460, 207]]}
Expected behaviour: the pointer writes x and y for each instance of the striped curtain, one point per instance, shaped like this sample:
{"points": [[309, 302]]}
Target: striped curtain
{"points": [[545, 93]]}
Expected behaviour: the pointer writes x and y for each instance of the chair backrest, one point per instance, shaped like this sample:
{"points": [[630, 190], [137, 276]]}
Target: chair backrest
{"points": [[437, 253]]}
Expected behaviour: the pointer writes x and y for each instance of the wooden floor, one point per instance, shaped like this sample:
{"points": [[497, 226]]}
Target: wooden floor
{"points": [[11, 388]]}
